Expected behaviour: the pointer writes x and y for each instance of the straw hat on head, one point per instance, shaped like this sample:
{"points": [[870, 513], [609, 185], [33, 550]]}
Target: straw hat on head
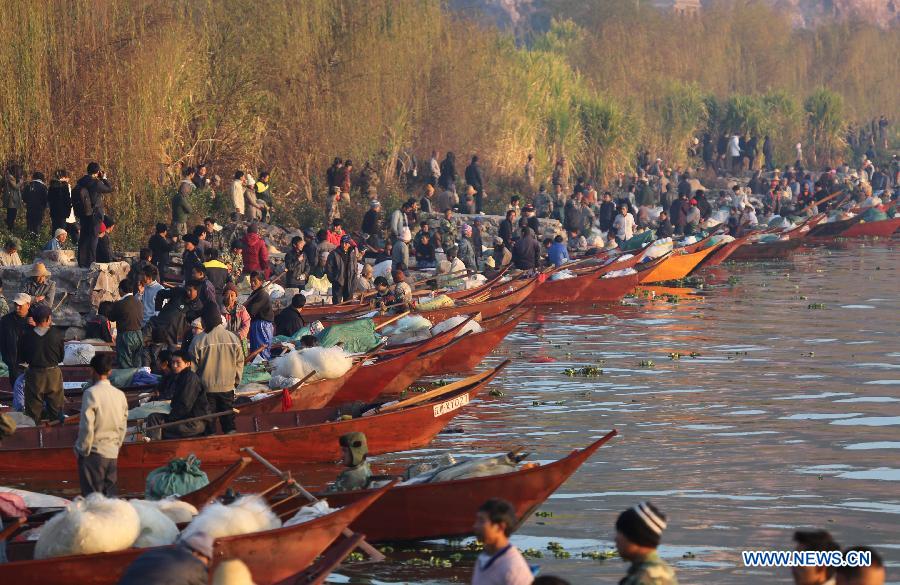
{"points": [[39, 270]]}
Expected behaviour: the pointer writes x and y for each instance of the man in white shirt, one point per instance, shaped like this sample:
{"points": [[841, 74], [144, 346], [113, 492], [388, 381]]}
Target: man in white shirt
{"points": [[501, 563], [435, 166], [623, 224], [734, 151], [101, 430]]}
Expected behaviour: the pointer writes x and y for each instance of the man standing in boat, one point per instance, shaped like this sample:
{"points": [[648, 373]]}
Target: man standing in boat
{"points": [[357, 474], [638, 533], [101, 430], [501, 563], [41, 347]]}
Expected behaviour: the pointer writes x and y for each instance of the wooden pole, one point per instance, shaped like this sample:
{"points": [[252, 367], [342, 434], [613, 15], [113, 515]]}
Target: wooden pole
{"points": [[364, 546], [196, 418], [391, 320]]}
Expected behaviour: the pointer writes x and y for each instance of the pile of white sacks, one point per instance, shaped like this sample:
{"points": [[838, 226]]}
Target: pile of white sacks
{"points": [[98, 524], [328, 362], [412, 328]]}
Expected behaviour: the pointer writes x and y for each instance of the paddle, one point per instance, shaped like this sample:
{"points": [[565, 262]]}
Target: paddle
{"points": [[391, 320], [426, 396], [196, 418], [364, 546], [294, 387]]}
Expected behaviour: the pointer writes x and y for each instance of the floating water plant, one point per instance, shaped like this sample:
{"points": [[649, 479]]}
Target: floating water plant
{"points": [[646, 363], [816, 306]]}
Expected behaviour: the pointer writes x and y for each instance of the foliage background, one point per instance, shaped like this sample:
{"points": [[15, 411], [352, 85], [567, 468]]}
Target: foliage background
{"points": [[145, 87]]}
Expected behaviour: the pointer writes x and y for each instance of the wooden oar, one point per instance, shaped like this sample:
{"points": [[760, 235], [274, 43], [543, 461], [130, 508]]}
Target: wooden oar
{"points": [[364, 546], [426, 396], [255, 353], [196, 418], [391, 320], [294, 387], [821, 201], [413, 284]]}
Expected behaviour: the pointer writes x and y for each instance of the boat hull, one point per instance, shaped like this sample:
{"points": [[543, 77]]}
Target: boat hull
{"points": [[468, 351], [676, 266], [447, 509], [873, 229]]}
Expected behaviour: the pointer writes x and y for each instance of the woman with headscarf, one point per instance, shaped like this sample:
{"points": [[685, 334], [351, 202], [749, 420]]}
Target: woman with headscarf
{"points": [[465, 250]]}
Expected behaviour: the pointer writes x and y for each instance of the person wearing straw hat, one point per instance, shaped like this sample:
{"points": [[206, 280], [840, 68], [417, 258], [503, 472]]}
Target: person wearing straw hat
{"points": [[638, 533], [42, 348], [40, 287]]}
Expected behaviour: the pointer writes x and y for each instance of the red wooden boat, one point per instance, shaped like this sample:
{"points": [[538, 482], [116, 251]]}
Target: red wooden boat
{"points": [[447, 509], [884, 228], [676, 265], [318, 394], [834, 228], [725, 251], [470, 350], [372, 380], [309, 436], [423, 365], [777, 249], [271, 555], [605, 290], [567, 290]]}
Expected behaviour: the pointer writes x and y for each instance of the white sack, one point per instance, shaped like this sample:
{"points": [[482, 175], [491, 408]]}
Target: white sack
{"points": [[472, 326], [617, 273], [246, 515], [311, 512], [89, 525], [178, 512], [562, 275], [328, 362], [157, 529], [78, 354], [659, 248]]}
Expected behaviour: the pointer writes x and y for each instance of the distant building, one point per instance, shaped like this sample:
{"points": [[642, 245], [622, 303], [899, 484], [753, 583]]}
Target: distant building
{"points": [[681, 7]]}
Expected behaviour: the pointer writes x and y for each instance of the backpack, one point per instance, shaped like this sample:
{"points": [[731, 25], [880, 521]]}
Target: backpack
{"points": [[81, 201]]}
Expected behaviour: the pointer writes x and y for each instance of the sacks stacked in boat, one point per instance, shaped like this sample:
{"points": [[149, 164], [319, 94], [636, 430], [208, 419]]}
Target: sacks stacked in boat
{"points": [[467, 468], [659, 248], [328, 362], [617, 273], [408, 329], [433, 303], [243, 516], [470, 327], [78, 354]]}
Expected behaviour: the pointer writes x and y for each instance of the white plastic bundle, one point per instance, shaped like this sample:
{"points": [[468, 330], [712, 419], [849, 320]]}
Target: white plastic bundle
{"points": [[383, 268], [452, 322], [328, 362], [689, 240], [720, 215], [659, 248], [618, 273], [275, 382], [178, 512], [276, 291], [78, 354], [562, 275], [244, 516], [407, 324], [474, 281], [311, 512], [89, 525], [157, 529]]}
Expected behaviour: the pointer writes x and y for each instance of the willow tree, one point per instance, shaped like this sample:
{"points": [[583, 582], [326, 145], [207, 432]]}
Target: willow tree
{"points": [[824, 124]]}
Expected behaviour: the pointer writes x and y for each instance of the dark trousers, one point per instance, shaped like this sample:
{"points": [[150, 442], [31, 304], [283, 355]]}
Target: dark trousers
{"points": [[479, 199], [11, 217], [33, 220], [340, 294], [179, 431], [220, 402], [97, 474], [58, 223], [130, 349], [87, 241], [44, 393]]}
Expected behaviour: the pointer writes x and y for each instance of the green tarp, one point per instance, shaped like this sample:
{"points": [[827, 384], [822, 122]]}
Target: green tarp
{"points": [[637, 242], [357, 336]]}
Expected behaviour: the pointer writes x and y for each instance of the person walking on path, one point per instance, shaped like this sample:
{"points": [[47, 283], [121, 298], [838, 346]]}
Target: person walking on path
{"points": [[101, 431]]}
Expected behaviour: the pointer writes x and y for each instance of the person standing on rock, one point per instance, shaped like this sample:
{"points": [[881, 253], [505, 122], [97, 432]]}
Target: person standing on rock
{"points": [[59, 199], [42, 348], [128, 314], [259, 307], [529, 170], [181, 207], [340, 267], [87, 200], [236, 191], [34, 195], [13, 183], [475, 179]]}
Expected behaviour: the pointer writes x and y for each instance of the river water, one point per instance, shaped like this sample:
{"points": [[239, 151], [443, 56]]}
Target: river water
{"points": [[787, 417]]}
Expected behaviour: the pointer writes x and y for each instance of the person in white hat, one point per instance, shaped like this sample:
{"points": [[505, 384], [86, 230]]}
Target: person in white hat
{"points": [[59, 238], [41, 288], [12, 326]]}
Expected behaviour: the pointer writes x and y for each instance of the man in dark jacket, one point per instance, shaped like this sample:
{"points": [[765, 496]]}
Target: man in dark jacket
{"points": [[526, 254], [188, 402], [259, 307], [702, 204], [311, 246], [59, 198], [295, 264], [161, 246], [217, 274], [340, 267], [42, 349], [372, 225], [35, 197], [678, 213], [664, 227], [128, 313], [769, 153], [507, 229], [574, 220], [177, 308], [87, 200], [290, 320], [475, 180], [12, 326], [190, 258], [607, 212]]}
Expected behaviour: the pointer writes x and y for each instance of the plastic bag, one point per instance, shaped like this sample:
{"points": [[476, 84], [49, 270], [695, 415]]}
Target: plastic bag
{"points": [[438, 302], [78, 354], [178, 477]]}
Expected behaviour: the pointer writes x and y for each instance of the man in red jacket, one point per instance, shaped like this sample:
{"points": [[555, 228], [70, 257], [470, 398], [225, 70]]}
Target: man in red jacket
{"points": [[256, 254]]}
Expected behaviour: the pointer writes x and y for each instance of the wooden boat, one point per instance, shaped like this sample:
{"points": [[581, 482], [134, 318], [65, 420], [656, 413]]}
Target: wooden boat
{"points": [[468, 351], [309, 436], [567, 290], [834, 228], [884, 228], [725, 251], [318, 394], [271, 555], [319, 571], [777, 249], [422, 366], [447, 509], [372, 380], [676, 265], [604, 290]]}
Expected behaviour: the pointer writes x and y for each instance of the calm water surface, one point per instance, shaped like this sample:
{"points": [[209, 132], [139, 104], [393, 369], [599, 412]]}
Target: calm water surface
{"points": [[788, 417]]}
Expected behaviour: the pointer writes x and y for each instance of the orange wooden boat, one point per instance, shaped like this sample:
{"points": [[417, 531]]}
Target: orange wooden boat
{"points": [[567, 290], [884, 228], [725, 251], [676, 265], [604, 290], [468, 351], [271, 555], [446, 509], [309, 436]]}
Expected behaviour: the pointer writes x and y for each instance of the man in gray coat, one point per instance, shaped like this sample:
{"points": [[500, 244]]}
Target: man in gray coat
{"points": [[218, 358]]}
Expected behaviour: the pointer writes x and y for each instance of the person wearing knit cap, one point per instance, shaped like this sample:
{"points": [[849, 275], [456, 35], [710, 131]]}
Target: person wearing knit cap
{"points": [[638, 533], [187, 562]]}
